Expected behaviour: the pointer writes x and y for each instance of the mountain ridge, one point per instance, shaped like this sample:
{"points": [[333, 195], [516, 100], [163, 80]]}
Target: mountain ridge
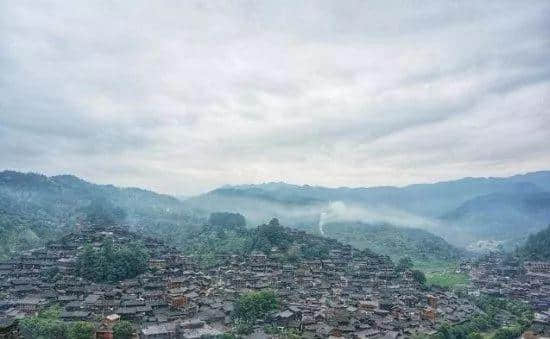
{"points": [[431, 204]]}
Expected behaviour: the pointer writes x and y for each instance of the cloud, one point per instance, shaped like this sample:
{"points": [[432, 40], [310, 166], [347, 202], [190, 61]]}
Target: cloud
{"points": [[182, 97]]}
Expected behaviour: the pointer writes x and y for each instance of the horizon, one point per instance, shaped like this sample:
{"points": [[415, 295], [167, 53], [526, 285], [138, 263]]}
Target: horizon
{"points": [[183, 195]]}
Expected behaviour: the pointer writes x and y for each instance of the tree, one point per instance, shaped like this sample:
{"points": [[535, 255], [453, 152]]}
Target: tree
{"points": [[227, 220], [315, 251], [255, 305], [45, 325], [81, 330], [112, 263], [123, 330], [537, 246], [404, 264], [102, 212], [37, 327], [272, 234], [419, 276]]}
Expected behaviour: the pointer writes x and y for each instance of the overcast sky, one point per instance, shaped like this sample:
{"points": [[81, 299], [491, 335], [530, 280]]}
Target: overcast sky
{"points": [[181, 97]]}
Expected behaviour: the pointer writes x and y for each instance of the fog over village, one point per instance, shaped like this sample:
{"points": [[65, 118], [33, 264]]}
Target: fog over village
{"points": [[262, 169]]}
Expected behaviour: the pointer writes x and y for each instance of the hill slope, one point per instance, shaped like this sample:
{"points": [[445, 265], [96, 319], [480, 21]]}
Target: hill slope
{"points": [[502, 214], [461, 211], [537, 246], [34, 208], [396, 242]]}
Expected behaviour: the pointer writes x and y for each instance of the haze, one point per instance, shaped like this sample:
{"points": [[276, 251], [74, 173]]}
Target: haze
{"points": [[182, 97]]}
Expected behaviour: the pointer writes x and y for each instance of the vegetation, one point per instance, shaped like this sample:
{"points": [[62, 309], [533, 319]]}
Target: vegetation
{"points": [[396, 242], [46, 325], [270, 235], [448, 279], [227, 220], [81, 330], [35, 208], [404, 264], [255, 305], [444, 274], [111, 263], [520, 316], [102, 212], [233, 239], [123, 330], [537, 246], [419, 276]]}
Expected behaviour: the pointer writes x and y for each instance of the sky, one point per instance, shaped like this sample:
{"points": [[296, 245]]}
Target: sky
{"points": [[182, 97]]}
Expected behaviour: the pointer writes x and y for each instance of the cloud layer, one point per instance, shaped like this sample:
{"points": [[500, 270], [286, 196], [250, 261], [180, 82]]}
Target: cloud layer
{"points": [[183, 96]]}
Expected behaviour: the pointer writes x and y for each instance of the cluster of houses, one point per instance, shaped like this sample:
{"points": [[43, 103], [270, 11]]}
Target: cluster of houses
{"points": [[500, 276], [350, 294]]}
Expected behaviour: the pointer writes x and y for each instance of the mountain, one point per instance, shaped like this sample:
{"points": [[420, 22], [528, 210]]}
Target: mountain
{"points": [[396, 242], [461, 211], [35, 208], [288, 245], [537, 246], [501, 214]]}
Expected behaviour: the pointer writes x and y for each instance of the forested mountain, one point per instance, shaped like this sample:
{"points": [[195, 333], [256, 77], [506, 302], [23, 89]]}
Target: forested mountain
{"points": [[503, 213], [286, 244], [537, 246], [396, 242], [461, 211], [35, 207]]}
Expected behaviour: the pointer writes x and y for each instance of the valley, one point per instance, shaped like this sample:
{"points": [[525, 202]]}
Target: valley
{"points": [[101, 256]]}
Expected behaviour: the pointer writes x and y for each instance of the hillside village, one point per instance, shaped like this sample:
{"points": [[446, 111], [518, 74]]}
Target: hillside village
{"points": [[351, 294], [498, 276]]}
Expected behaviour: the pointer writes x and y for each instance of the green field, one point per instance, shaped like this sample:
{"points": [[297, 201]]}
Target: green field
{"points": [[447, 280], [442, 273]]}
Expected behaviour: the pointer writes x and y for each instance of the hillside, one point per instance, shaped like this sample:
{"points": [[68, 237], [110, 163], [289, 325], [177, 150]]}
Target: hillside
{"points": [[537, 246], [461, 210], [285, 244], [396, 242], [502, 214], [34, 208], [105, 274]]}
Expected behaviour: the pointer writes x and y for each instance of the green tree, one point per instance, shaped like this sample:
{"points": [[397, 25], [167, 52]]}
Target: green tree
{"points": [[102, 212], [123, 330], [404, 264], [315, 251], [419, 276], [81, 330], [112, 263], [255, 305], [45, 325], [227, 220], [271, 234], [36, 327]]}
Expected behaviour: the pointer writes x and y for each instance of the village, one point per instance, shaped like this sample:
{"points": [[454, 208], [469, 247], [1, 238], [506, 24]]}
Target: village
{"points": [[352, 294], [504, 277]]}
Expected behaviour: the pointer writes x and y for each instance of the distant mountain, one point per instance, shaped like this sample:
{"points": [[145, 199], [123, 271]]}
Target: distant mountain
{"points": [[35, 207], [500, 215], [461, 210], [396, 242]]}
